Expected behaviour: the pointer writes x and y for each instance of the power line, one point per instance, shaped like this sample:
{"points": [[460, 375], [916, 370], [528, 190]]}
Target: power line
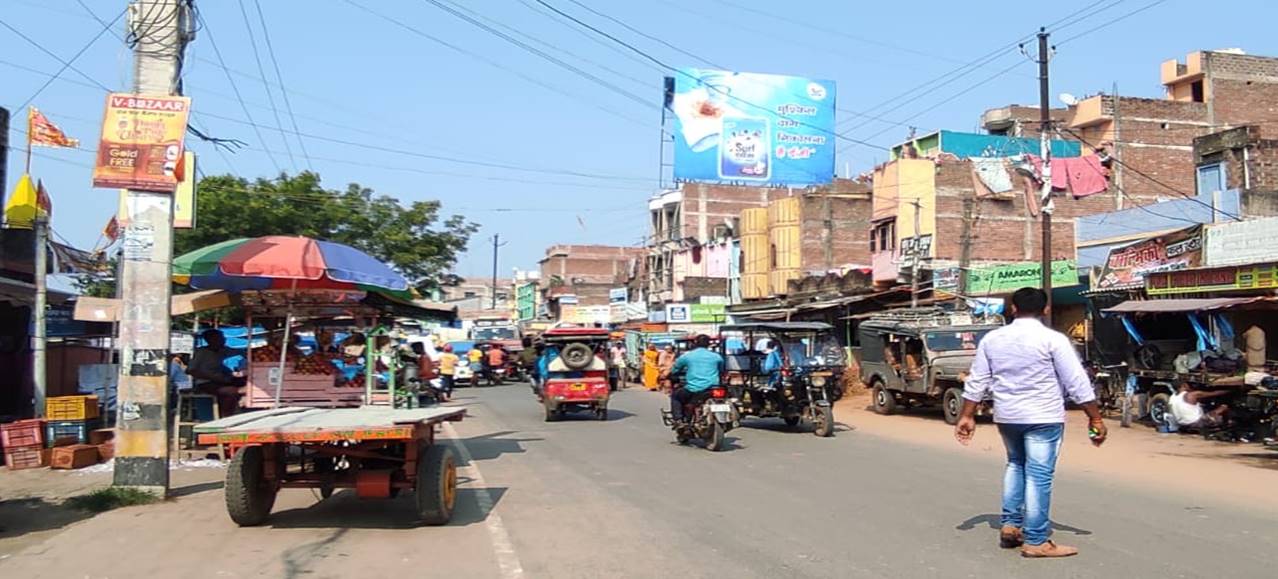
{"points": [[545, 56], [288, 105], [648, 36], [499, 66], [236, 89], [666, 66], [64, 63], [1112, 22], [68, 63], [270, 98]]}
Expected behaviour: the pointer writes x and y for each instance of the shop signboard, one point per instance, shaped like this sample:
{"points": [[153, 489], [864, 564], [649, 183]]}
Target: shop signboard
{"points": [[752, 129], [1216, 279], [708, 313], [678, 314], [1005, 279], [1128, 265], [1243, 242], [526, 301], [584, 315], [618, 295], [142, 142]]}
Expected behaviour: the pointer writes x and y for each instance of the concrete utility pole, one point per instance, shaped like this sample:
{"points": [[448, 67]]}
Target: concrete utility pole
{"points": [[965, 248], [1045, 151], [39, 314], [142, 451], [496, 244], [914, 274]]}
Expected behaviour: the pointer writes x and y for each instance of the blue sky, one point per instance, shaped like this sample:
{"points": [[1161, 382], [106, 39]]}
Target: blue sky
{"points": [[356, 77]]}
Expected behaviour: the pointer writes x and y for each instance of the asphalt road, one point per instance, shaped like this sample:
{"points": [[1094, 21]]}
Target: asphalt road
{"points": [[582, 498]]}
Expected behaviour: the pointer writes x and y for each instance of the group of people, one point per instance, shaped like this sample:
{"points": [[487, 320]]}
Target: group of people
{"points": [[657, 365]]}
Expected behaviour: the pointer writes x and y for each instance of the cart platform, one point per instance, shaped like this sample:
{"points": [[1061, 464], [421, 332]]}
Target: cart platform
{"points": [[299, 424]]}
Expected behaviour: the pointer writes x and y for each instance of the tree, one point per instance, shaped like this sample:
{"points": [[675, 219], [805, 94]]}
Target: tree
{"points": [[413, 239]]}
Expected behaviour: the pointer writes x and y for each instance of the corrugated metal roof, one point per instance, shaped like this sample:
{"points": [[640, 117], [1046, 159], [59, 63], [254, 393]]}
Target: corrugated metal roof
{"points": [[1179, 305]]}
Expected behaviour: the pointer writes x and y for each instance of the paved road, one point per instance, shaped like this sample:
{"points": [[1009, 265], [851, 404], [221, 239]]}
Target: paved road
{"points": [[582, 498]]}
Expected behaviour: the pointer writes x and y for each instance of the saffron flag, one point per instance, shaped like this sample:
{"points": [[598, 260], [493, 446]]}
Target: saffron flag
{"points": [[112, 229], [43, 203], [41, 131]]}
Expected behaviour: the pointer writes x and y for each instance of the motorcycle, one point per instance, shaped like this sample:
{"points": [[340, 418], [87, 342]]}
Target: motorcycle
{"points": [[708, 417]]}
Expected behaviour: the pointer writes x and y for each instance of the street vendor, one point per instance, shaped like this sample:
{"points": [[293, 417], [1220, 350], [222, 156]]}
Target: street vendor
{"points": [[211, 376]]}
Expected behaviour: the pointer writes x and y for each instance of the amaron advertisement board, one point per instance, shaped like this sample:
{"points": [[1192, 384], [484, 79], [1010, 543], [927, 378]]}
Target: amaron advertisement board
{"points": [[752, 129], [526, 301], [142, 142]]}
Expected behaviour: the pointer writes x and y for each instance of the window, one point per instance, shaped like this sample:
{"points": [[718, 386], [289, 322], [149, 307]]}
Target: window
{"points": [[1211, 178], [1196, 91], [469, 294], [883, 237]]}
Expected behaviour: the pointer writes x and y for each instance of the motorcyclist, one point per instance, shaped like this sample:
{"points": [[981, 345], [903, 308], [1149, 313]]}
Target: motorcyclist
{"points": [[701, 369]]}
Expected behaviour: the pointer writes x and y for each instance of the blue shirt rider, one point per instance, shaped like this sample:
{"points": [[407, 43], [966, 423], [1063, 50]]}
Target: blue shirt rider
{"points": [[701, 371], [772, 364]]}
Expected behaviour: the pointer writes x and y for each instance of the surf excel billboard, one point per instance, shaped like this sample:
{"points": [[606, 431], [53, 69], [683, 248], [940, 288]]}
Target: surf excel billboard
{"points": [[752, 129]]}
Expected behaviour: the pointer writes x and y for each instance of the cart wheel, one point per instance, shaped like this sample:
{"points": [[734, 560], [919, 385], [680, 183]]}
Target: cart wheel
{"points": [[792, 421], [601, 413], [884, 402], [552, 414], [714, 442], [823, 421], [952, 404], [249, 497], [436, 484], [1159, 405]]}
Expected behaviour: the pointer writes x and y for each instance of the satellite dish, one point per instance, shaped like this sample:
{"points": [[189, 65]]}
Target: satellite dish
{"points": [[1068, 99]]}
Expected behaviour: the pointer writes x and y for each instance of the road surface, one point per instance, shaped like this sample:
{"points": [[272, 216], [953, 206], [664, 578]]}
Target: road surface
{"points": [[581, 498]]}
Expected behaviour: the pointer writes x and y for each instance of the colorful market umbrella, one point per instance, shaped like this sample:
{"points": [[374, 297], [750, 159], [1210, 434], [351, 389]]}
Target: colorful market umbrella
{"points": [[286, 263]]}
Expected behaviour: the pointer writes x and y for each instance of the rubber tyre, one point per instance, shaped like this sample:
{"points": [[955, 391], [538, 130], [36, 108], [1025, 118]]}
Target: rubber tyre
{"points": [[1159, 406], [436, 490], [248, 497], [823, 425], [552, 414], [577, 356], [884, 402], [792, 421], [714, 443], [952, 405]]}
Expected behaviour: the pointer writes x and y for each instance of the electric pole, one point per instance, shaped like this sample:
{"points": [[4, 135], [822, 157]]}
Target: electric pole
{"points": [[1045, 151], [40, 337], [914, 275], [965, 249], [161, 30], [496, 244]]}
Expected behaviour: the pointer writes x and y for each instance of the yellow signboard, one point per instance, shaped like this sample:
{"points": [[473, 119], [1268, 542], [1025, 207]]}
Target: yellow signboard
{"points": [[142, 142], [183, 198]]}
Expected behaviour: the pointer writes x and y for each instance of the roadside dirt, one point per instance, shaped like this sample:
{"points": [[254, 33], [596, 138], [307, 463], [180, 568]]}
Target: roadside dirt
{"points": [[1241, 474]]}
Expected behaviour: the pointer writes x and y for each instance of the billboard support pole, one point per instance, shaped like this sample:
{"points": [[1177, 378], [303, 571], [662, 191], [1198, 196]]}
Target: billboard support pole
{"points": [[142, 453]]}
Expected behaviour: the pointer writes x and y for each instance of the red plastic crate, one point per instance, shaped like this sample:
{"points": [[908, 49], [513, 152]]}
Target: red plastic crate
{"points": [[25, 457], [22, 433]]}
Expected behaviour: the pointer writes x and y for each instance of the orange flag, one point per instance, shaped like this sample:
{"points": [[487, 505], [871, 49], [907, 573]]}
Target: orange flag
{"points": [[112, 229], [43, 202], [41, 131]]}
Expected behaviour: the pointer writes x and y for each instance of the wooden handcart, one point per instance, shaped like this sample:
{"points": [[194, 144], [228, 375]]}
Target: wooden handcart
{"points": [[378, 451]]}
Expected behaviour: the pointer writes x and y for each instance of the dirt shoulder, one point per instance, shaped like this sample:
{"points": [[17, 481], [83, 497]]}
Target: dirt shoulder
{"points": [[1245, 475]]}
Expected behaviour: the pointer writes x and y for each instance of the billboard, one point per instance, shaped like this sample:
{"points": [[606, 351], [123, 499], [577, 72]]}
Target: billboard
{"points": [[141, 144], [752, 129], [526, 301], [183, 198], [1242, 242]]}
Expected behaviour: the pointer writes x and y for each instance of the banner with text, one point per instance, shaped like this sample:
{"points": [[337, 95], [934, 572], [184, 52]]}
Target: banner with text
{"points": [[1127, 266], [141, 144], [753, 129]]}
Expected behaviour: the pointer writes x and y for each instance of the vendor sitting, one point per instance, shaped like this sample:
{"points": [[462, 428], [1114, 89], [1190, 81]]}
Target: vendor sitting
{"points": [[1187, 408], [211, 376]]}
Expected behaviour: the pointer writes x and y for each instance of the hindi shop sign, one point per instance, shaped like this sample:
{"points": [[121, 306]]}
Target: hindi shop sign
{"points": [[1005, 279], [752, 129], [1127, 266], [142, 142], [1242, 242], [1237, 278]]}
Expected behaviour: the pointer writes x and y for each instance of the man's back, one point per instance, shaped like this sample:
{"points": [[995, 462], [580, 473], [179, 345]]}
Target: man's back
{"points": [[1027, 368], [701, 369]]}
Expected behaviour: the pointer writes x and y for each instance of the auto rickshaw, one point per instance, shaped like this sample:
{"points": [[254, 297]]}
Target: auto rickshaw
{"points": [[801, 387], [577, 374]]}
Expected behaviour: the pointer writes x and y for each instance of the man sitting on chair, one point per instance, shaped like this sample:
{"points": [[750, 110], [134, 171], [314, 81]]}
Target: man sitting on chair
{"points": [[211, 376]]}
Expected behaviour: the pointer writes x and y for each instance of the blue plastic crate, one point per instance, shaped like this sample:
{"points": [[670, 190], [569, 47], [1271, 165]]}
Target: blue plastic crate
{"points": [[63, 429]]}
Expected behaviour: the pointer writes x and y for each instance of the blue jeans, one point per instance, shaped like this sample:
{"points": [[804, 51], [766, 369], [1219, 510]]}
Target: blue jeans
{"points": [[1027, 484]]}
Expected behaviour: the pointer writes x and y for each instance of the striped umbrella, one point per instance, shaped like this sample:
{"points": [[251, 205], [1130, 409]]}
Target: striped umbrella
{"points": [[286, 263]]}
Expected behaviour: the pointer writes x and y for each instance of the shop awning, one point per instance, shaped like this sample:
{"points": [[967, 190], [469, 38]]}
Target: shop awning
{"points": [[1182, 305], [89, 309]]}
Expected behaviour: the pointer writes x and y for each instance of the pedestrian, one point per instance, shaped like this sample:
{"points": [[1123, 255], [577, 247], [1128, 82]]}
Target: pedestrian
{"points": [[1029, 369], [618, 366], [651, 373], [447, 371], [475, 357], [665, 363]]}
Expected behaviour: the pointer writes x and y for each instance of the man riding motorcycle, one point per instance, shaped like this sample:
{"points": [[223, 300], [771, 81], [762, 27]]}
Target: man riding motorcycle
{"points": [[701, 369]]}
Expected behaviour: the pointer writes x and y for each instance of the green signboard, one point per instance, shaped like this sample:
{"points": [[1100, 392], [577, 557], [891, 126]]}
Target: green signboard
{"points": [[526, 301], [708, 313], [1005, 279]]}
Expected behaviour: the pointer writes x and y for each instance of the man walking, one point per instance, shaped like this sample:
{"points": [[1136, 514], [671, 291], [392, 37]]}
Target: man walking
{"points": [[1029, 368]]}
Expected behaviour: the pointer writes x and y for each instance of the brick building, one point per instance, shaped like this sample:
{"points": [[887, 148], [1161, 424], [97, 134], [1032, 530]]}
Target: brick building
{"points": [[478, 291], [1241, 159], [587, 272]]}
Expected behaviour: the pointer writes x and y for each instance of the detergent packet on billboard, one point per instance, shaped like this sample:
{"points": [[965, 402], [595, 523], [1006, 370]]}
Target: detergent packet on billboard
{"points": [[745, 149]]}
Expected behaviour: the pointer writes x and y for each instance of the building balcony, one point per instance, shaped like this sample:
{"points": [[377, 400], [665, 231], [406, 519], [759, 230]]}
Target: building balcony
{"points": [[1093, 111]]}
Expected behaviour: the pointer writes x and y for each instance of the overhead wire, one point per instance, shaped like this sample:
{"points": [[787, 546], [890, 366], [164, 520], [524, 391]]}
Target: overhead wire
{"points": [[270, 97], [1111, 22], [656, 39], [275, 63], [257, 130], [54, 56], [74, 58]]}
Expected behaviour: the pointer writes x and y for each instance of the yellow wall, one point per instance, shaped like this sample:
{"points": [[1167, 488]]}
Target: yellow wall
{"points": [[883, 198], [916, 180]]}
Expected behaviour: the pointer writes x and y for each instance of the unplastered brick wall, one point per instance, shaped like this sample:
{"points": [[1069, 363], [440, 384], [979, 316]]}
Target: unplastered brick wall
{"points": [[1001, 230], [835, 228]]}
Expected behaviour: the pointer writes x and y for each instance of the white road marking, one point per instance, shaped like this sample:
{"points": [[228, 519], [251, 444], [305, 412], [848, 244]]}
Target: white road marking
{"points": [[507, 560]]}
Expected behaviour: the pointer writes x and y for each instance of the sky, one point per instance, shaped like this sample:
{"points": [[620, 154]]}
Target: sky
{"points": [[419, 103]]}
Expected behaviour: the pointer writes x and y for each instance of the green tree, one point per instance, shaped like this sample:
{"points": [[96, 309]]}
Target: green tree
{"points": [[413, 238]]}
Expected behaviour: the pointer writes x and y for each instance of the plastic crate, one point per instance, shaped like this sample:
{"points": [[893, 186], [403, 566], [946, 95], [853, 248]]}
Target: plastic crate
{"points": [[22, 433], [71, 408], [21, 457], [60, 430]]}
